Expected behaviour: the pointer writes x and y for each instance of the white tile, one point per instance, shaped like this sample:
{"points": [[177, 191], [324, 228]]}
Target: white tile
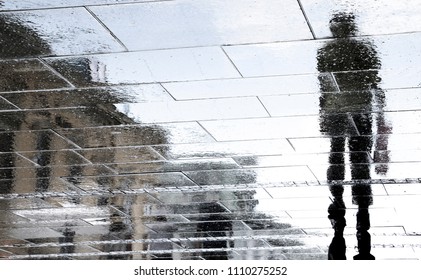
{"points": [[383, 217], [318, 204], [192, 110], [317, 191], [146, 67], [264, 128], [299, 192], [276, 58], [301, 57], [283, 174], [260, 86], [225, 149], [67, 31], [398, 156], [373, 17], [187, 23], [292, 105]]}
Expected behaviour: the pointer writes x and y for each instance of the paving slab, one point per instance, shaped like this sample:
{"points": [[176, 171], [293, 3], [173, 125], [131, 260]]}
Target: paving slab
{"points": [[372, 17], [54, 29], [189, 23], [68, 98], [28, 74], [260, 86], [146, 67]]}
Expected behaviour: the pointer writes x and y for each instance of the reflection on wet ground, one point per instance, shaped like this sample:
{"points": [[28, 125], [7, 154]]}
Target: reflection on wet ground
{"points": [[246, 131]]}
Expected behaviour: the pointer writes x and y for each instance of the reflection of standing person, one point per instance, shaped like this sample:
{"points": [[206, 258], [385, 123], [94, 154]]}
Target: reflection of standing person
{"points": [[358, 94]]}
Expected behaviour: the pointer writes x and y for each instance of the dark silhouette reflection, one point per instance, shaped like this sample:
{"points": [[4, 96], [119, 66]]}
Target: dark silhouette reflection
{"points": [[18, 40], [32, 132], [347, 116], [219, 226], [68, 237]]}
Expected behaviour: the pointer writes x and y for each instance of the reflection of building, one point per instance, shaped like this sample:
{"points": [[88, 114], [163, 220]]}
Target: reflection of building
{"points": [[30, 132], [17, 40], [31, 135]]}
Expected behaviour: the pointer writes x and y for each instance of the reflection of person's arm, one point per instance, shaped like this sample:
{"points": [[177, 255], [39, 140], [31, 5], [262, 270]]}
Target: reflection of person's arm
{"points": [[384, 128]]}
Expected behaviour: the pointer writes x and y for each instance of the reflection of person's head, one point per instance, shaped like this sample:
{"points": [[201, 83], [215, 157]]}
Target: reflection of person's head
{"points": [[343, 25]]}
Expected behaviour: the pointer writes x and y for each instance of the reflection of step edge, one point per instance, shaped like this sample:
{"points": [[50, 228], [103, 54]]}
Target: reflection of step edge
{"points": [[281, 250], [203, 188]]}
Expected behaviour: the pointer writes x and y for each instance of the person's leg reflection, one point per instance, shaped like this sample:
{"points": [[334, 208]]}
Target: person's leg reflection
{"points": [[359, 147], [336, 210]]}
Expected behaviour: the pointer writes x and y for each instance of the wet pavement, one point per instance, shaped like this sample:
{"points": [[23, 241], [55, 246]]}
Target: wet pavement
{"points": [[186, 129]]}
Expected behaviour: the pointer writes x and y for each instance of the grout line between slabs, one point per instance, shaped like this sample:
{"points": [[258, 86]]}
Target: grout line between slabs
{"points": [[232, 62], [307, 19], [55, 72], [106, 27]]}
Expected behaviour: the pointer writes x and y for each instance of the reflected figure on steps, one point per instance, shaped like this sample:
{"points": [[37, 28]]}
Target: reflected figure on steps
{"points": [[346, 117]]}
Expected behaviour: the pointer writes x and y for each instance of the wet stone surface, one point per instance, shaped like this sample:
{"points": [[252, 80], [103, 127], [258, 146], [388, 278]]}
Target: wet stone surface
{"points": [[49, 36], [83, 97], [245, 131], [28, 74]]}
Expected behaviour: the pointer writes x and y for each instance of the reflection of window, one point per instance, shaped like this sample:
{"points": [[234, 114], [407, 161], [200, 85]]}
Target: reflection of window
{"points": [[147, 210], [97, 70]]}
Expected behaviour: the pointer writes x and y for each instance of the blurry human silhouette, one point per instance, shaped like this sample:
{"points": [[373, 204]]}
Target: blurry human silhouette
{"points": [[346, 117]]}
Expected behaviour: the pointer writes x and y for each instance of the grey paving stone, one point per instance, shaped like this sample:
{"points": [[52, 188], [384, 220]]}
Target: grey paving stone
{"points": [[193, 110], [224, 149], [261, 86], [34, 4], [173, 166], [305, 57], [7, 105], [281, 127], [285, 105]]}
